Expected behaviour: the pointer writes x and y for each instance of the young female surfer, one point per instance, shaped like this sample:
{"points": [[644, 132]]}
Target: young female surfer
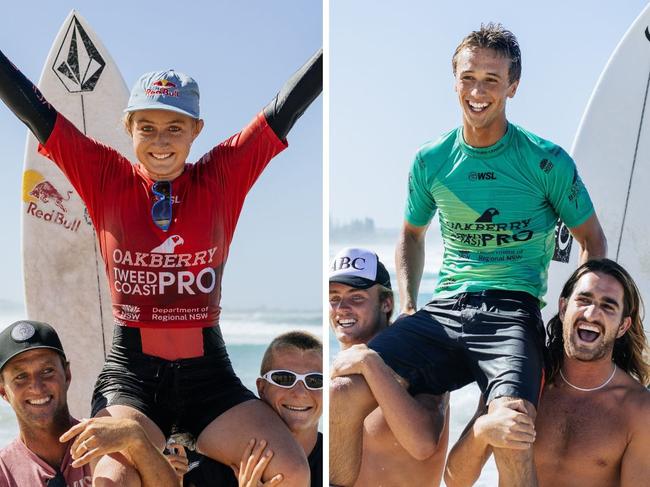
{"points": [[164, 228]]}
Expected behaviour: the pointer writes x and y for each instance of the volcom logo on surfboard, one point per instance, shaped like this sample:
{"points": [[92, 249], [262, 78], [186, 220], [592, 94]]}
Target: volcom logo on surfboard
{"points": [[78, 64]]}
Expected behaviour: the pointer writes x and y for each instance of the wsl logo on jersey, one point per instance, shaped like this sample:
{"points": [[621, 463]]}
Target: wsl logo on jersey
{"points": [[482, 176]]}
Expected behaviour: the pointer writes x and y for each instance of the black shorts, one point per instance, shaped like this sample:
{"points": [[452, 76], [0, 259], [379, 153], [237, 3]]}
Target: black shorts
{"points": [[495, 338], [179, 396]]}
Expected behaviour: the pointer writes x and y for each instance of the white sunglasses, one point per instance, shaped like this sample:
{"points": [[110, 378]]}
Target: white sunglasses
{"points": [[287, 379]]}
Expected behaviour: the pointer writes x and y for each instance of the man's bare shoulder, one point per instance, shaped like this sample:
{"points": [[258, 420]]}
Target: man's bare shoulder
{"points": [[636, 402]]}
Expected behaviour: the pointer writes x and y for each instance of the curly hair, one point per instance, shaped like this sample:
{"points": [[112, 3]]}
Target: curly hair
{"points": [[630, 350], [496, 37]]}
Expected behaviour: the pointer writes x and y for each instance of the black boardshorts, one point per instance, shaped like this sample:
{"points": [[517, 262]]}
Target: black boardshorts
{"points": [[182, 395], [494, 337]]}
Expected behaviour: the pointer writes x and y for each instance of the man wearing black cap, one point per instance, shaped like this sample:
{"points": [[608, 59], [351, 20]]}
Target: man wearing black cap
{"points": [[34, 380], [405, 439]]}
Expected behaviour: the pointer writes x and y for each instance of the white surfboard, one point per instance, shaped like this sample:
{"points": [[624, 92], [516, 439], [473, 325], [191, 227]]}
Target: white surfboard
{"points": [[65, 281], [612, 152]]}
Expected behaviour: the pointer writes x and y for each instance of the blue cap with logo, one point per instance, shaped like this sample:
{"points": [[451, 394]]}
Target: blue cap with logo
{"points": [[25, 335], [359, 268], [165, 90]]}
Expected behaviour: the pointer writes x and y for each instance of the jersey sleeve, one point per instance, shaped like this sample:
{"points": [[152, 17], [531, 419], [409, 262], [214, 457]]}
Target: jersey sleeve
{"points": [[566, 192], [420, 204], [86, 163], [237, 163]]}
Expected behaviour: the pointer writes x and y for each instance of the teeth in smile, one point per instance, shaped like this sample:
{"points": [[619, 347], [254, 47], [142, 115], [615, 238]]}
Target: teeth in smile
{"points": [[586, 327], [161, 156], [296, 408], [347, 322], [477, 106], [40, 402]]}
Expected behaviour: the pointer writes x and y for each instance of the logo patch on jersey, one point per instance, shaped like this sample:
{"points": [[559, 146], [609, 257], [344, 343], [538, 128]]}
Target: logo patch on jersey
{"points": [[129, 312], [168, 246], [153, 273], [482, 176], [488, 215], [78, 64], [575, 188], [545, 165], [483, 232], [563, 242]]}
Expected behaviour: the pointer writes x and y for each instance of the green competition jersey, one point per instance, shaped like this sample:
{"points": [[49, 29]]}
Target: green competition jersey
{"points": [[497, 206]]}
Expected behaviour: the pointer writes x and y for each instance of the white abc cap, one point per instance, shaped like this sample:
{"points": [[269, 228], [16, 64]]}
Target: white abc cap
{"points": [[359, 268]]}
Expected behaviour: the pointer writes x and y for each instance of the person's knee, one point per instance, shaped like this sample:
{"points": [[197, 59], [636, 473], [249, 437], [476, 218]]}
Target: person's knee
{"points": [[115, 471]]}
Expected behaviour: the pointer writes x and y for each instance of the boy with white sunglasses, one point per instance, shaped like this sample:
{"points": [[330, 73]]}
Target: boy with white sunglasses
{"points": [[291, 383]]}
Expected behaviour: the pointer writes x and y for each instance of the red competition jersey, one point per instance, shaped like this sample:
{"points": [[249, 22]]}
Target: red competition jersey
{"points": [[158, 279]]}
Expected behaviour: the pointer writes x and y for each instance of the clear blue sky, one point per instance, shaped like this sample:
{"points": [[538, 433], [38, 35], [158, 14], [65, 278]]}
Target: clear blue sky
{"points": [[392, 84], [240, 53]]}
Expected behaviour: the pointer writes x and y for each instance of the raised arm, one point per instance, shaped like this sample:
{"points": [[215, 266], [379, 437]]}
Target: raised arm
{"points": [[295, 96], [25, 100], [417, 424], [590, 236], [409, 262]]}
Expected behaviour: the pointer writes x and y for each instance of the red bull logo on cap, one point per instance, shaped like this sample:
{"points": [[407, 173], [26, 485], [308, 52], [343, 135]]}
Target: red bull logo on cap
{"points": [[162, 87], [165, 83], [40, 195]]}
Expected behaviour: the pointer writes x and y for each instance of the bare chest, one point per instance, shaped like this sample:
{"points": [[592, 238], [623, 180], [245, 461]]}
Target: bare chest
{"points": [[581, 438], [385, 463]]}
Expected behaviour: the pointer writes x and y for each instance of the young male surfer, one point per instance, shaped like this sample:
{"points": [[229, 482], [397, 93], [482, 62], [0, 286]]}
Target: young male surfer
{"points": [[164, 228], [291, 383], [593, 422], [405, 438], [499, 191]]}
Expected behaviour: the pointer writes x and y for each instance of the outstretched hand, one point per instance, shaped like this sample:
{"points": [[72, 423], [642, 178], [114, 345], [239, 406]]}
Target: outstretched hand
{"points": [[253, 463]]}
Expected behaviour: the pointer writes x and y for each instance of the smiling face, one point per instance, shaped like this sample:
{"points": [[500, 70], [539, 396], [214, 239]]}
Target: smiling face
{"points": [[356, 315], [162, 140], [483, 86], [592, 317], [35, 384], [300, 408]]}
